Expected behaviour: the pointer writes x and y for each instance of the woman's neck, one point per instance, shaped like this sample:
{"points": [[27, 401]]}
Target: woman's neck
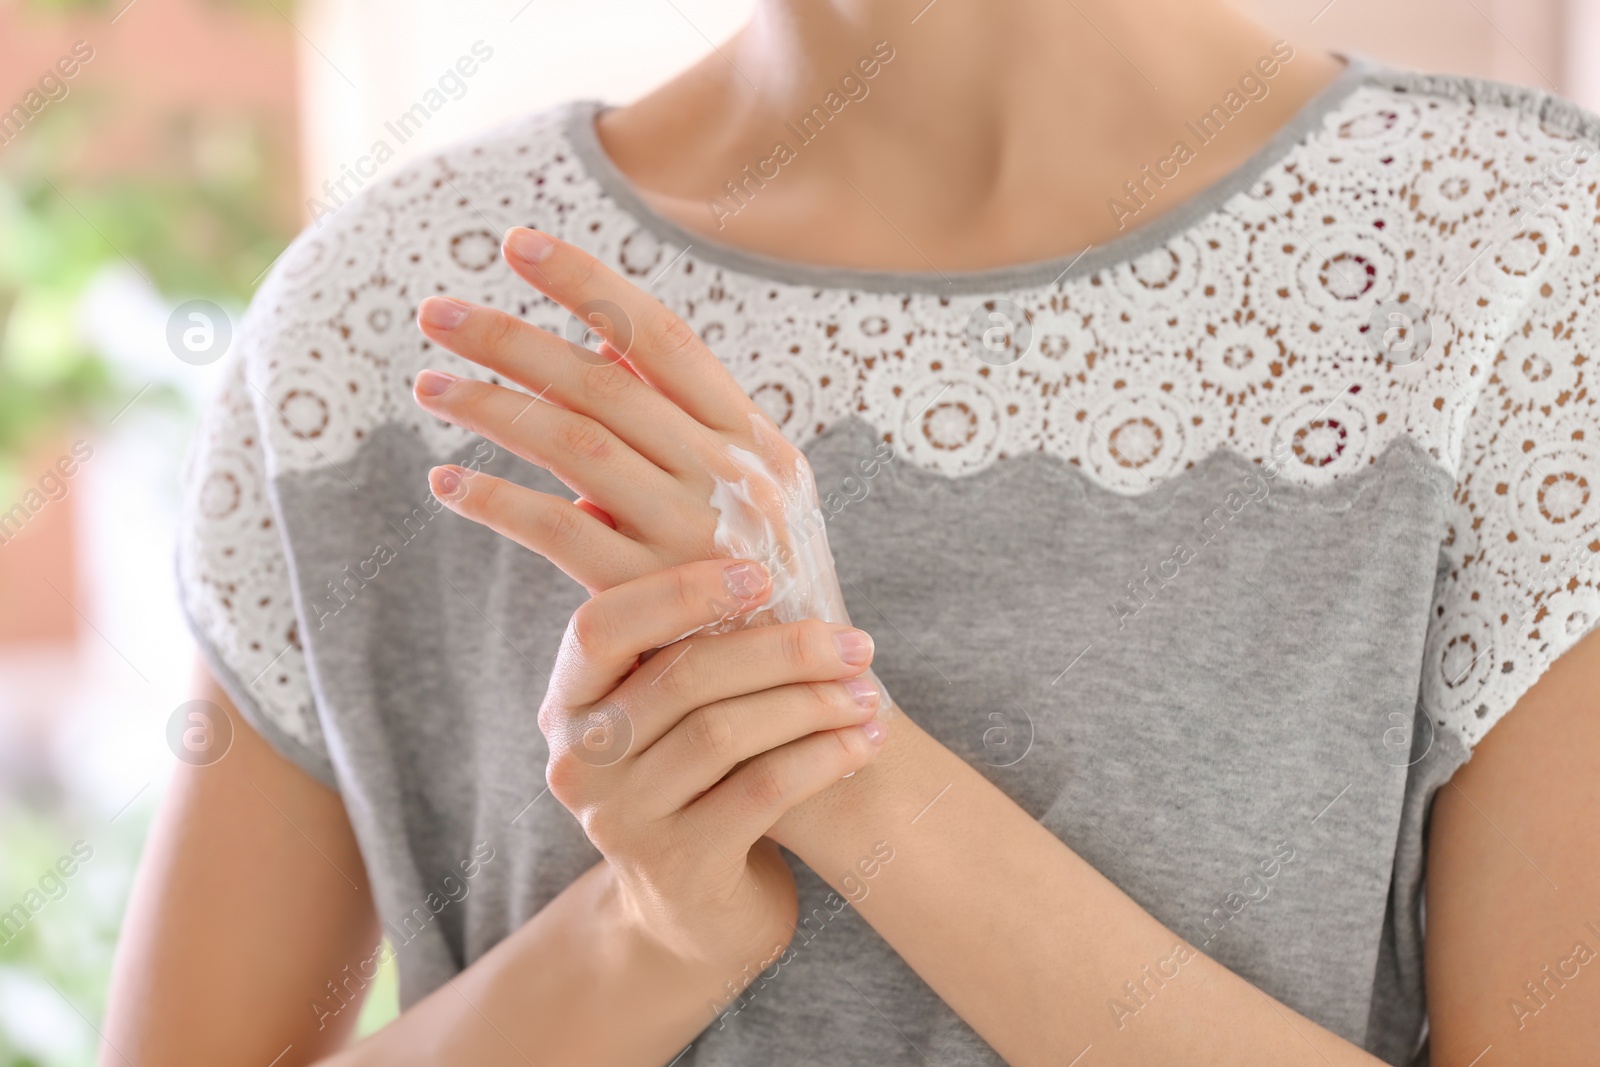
{"points": [[984, 133]]}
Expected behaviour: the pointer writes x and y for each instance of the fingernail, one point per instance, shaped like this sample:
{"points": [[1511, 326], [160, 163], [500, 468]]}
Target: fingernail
{"points": [[443, 312], [434, 382], [855, 647], [876, 732], [745, 581], [862, 691], [530, 246], [446, 482]]}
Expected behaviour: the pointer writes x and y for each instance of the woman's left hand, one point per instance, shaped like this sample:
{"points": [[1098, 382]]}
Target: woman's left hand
{"points": [[645, 429]]}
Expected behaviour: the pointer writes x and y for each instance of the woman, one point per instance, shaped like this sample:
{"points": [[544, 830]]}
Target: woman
{"points": [[1202, 433]]}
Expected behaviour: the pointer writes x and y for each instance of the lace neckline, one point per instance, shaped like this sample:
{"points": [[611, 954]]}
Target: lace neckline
{"points": [[579, 124]]}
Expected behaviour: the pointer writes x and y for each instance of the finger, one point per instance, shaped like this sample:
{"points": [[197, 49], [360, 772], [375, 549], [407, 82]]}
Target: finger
{"points": [[704, 670], [710, 741], [665, 351], [599, 513], [587, 550], [600, 384], [747, 803], [611, 630], [581, 452]]}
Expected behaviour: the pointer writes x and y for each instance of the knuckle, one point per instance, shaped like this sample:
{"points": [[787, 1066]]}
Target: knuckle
{"points": [[803, 646], [562, 775], [601, 826], [666, 335], [583, 438], [764, 786], [558, 526], [482, 492], [846, 748], [710, 731], [501, 331], [604, 381], [590, 629], [676, 679], [548, 720], [686, 592], [828, 696]]}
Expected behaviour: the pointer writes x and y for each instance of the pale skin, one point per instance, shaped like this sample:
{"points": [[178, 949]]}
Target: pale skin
{"points": [[634, 934]]}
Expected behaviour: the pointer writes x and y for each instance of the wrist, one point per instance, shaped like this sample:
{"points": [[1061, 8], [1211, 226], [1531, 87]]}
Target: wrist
{"points": [[853, 808], [708, 968]]}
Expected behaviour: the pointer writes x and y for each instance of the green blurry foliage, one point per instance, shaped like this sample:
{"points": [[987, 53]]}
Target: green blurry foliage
{"points": [[193, 219]]}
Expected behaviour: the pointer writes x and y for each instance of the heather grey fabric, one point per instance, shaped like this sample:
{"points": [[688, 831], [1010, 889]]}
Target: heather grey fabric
{"points": [[1179, 736]]}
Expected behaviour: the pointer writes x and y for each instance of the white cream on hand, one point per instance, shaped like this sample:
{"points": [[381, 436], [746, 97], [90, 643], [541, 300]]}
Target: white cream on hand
{"points": [[771, 515]]}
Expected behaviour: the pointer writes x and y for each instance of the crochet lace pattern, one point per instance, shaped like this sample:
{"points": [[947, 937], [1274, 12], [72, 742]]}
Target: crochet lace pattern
{"points": [[1251, 328]]}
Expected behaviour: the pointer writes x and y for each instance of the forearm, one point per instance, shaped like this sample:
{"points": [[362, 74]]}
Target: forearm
{"points": [[580, 983], [251, 894], [1018, 934]]}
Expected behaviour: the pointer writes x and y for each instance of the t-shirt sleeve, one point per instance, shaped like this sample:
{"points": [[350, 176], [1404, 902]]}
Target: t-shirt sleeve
{"points": [[234, 580], [1523, 548]]}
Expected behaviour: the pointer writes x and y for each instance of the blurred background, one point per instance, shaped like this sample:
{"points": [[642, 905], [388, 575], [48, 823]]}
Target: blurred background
{"points": [[173, 164]]}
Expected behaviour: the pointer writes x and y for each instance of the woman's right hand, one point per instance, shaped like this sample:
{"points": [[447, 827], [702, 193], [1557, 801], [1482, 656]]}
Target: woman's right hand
{"points": [[677, 763]]}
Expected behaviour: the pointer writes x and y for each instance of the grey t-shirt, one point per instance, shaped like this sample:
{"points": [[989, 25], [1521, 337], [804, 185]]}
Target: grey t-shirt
{"points": [[1217, 547]]}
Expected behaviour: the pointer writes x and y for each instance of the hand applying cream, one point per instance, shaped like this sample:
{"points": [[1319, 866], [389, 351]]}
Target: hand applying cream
{"points": [[771, 514]]}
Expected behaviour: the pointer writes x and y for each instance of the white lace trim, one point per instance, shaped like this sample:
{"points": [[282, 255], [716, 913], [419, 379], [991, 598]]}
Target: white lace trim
{"points": [[1249, 329], [233, 574]]}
